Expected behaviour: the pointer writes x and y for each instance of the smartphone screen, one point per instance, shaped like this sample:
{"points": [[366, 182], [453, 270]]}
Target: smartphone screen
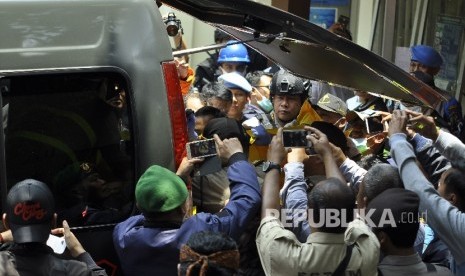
{"points": [[374, 124], [201, 148], [295, 138]]}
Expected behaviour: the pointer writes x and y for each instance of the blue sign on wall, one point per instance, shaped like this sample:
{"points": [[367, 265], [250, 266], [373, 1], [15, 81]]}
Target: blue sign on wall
{"points": [[323, 17]]}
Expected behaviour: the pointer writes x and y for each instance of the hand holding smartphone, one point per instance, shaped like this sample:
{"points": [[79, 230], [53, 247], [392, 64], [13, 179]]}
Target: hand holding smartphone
{"points": [[201, 149], [374, 124], [296, 138], [58, 244]]}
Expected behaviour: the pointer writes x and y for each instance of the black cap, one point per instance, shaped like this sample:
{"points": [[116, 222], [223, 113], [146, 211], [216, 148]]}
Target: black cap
{"points": [[226, 128], [30, 209], [399, 202], [284, 82]]}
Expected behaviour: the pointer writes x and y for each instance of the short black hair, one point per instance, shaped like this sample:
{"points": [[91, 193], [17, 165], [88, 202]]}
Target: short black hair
{"points": [[402, 236], [379, 178], [206, 243], [254, 77], [334, 134], [211, 111], [370, 160], [215, 89], [455, 183], [331, 194]]}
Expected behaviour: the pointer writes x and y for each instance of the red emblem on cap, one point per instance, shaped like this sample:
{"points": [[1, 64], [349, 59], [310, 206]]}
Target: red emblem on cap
{"points": [[28, 211]]}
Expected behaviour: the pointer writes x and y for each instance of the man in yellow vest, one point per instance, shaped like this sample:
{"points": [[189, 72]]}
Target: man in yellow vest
{"points": [[291, 109]]}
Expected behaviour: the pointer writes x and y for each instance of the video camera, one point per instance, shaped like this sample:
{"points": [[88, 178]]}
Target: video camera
{"points": [[173, 25]]}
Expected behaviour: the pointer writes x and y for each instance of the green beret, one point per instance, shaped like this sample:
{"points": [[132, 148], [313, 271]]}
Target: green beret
{"points": [[160, 190]]}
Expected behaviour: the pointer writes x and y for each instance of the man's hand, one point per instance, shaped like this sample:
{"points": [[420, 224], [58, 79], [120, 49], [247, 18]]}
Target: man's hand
{"points": [[398, 122], [73, 244], [338, 154], [297, 155], [423, 124], [319, 141], [227, 147], [7, 236], [182, 67], [186, 166], [276, 151], [375, 142]]}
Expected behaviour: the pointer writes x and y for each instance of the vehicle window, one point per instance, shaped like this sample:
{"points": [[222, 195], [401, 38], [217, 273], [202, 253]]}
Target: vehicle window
{"points": [[74, 133]]}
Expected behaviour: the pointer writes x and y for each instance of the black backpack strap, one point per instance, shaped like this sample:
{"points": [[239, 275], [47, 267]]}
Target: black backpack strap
{"points": [[340, 270]]}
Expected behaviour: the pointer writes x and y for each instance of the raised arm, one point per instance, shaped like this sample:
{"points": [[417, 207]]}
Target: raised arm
{"points": [[447, 221], [430, 158], [294, 193], [245, 198], [322, 146], [447, 144], [276, 154]]}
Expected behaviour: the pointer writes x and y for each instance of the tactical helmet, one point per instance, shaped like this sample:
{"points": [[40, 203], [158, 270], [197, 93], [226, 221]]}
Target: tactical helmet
{"points": [[233, 53], [284, 82]]}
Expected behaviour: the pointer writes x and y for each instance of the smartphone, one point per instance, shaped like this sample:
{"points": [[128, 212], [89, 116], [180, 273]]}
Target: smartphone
{"points": [[201, 149], [58, 244], [374, 125], [296, 138]]}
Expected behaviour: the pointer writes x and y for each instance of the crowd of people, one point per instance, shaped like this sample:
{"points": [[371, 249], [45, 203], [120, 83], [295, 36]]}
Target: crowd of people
{"points": [[378, 189]]}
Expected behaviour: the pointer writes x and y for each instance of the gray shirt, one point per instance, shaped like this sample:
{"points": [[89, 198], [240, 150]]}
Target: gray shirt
{"points": [[407, 265], [446, 220]]}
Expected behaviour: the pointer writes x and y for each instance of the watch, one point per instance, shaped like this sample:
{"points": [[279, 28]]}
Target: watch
{"points": [[269, 165]]}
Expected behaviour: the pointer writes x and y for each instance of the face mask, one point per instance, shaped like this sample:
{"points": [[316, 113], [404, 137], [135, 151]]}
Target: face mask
{"points": [[265, 104]]}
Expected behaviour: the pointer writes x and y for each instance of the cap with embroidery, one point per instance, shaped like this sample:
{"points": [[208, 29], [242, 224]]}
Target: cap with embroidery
{"points": [[30, 209], [333, 104], [235, 80], [426, 55]]}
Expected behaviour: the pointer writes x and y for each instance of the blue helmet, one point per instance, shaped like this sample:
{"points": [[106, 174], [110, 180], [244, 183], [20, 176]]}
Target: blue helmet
{"points": [[233, 53]]}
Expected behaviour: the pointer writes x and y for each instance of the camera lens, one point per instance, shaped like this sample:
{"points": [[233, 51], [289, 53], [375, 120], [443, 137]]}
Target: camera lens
{"points": [[172, 28]]}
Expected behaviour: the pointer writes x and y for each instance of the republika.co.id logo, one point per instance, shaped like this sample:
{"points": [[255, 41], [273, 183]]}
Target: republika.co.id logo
{"points": [[340, 217]]}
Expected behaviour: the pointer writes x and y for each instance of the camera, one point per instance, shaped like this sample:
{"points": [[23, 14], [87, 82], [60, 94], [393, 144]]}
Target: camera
{"points": [[284, 86], [173, 25]]}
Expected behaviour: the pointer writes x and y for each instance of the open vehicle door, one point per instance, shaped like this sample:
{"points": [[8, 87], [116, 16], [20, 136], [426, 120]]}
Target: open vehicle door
{"points": [[309, 50]]}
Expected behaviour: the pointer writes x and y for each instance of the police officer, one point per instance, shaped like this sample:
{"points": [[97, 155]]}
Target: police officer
{"points": [[290, 101], [291, 108], [425, 64]]}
